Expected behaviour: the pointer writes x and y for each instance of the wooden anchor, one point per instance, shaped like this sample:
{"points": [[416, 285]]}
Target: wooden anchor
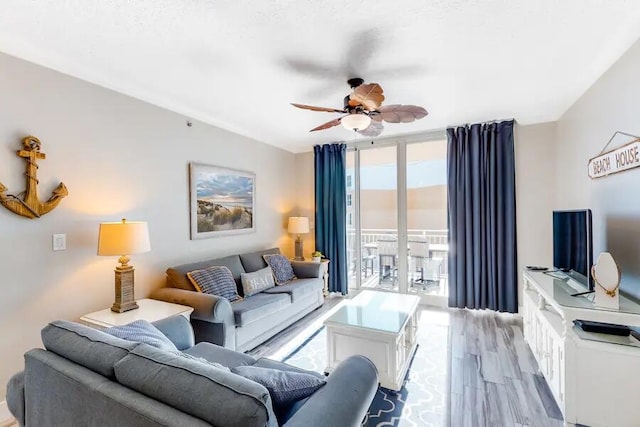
{"points": [[30, 206]]}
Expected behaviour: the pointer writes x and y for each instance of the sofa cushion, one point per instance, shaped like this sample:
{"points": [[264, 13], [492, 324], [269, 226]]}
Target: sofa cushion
{"points": [[258, 281], [203, 360], [142, 331], [254, 261], [265, 362], [215, 280], [200, 389], [217, 354], [258, 306], [280, 267], [178, 329], [177, 276], [285, 387], [85, 346], [298, 288], [15, 397]]}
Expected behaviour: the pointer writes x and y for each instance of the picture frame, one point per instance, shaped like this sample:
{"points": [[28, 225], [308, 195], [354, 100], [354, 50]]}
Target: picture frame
{"points": [[221, 201]]}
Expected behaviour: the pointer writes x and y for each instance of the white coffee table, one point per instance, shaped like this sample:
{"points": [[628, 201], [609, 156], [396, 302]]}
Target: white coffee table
{"points": [[379, 325]]}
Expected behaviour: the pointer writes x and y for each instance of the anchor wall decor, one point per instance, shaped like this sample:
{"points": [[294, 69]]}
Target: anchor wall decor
{"points": [[30, 206]]}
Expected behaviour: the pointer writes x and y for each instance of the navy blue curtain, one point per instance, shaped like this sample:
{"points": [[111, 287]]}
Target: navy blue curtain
{"points": [[482, 217], [331, 210]]}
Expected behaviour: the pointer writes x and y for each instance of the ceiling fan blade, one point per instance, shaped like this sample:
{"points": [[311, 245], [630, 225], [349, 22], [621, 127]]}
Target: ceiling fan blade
{"points": [[332, 123], [399, 113], [402, 71], [310, 68], [368, 95], [374, 129], [361, 48], [376, 116], [311, 107]]}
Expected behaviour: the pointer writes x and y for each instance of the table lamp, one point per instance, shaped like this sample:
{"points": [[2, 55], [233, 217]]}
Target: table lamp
{"points": [[298, 225], [123, 238]]}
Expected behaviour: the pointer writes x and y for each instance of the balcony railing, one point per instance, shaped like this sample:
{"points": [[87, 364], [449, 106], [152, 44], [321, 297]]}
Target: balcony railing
{"points": [[372, 235]]}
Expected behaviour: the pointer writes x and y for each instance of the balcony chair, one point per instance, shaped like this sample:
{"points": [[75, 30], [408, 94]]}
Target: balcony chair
{"points": [[418, 252], [388, 259], [420, 260]]}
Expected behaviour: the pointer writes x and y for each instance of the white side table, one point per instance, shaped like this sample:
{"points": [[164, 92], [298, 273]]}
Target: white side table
{"points": [[149, 310]]}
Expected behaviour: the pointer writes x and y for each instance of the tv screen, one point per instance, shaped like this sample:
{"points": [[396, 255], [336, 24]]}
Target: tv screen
{"points": [[573, 245]]}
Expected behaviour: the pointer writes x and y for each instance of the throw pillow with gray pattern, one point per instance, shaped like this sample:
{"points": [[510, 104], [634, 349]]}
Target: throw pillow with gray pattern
{"points": [[284, 387], [142, 331], [281, 268], [258, 281]]}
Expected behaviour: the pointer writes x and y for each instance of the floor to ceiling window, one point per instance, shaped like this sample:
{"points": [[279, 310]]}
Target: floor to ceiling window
{"points": [[381, 214]]}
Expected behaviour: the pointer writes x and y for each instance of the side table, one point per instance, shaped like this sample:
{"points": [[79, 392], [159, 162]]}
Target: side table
{"points": [[149, 310]]}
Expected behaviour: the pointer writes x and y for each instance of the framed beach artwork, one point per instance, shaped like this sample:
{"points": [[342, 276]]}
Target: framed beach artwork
{"points": [[222, 201]]}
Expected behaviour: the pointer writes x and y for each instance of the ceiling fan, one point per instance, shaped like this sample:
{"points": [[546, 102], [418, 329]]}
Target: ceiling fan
{"points": [[365, 112]]}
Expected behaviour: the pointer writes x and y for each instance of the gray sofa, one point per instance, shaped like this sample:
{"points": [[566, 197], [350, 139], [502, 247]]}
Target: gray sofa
{"points": [[86, 377], [245, 324]]}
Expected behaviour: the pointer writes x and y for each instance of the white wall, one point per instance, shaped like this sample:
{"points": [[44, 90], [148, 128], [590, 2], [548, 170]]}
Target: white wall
{"points": [[119, 157], [305, 198], [611, 104], [535, 194]]}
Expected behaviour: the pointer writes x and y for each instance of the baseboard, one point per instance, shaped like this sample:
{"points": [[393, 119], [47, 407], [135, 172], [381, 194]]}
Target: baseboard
{"points": [[6, 419]]}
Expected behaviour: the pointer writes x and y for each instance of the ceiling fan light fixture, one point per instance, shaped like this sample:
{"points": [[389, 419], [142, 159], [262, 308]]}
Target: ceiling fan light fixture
{"points": [[356, 121]]}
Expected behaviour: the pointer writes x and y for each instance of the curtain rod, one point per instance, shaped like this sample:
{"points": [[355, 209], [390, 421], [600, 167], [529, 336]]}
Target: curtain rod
{"points": [[430, 135]]}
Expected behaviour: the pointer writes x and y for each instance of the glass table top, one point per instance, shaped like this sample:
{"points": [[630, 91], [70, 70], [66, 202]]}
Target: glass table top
{"points": [[379, 311]]}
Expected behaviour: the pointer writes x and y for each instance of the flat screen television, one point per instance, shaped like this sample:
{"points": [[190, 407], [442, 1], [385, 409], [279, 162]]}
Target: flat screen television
{"points": [[573, 244]]}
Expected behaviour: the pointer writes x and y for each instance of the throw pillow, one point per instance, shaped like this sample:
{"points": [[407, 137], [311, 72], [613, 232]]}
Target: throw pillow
{"points": [[280, 267], [285, 387], [258, 281], [215, 280], [142, 331]]}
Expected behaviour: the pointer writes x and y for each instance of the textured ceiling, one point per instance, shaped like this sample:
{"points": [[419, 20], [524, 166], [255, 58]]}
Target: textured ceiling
{"points": [[238, 64]]}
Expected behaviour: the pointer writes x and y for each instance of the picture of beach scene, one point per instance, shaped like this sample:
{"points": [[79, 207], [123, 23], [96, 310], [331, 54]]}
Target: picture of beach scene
{"points": [[223, 202]]}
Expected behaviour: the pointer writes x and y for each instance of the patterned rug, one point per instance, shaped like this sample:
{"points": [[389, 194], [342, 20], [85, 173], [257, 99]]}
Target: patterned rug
{"points": [[422, 399]]}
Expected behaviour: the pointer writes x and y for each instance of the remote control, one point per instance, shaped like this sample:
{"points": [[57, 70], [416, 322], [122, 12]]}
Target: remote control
{"points": [[536, 268]]}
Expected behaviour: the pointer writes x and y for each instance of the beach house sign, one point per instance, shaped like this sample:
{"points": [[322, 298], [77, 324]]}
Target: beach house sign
{"points": [[618, 160]]}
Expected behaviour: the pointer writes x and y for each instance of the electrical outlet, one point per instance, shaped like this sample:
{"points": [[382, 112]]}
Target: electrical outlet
{"points": [[59, 242]]}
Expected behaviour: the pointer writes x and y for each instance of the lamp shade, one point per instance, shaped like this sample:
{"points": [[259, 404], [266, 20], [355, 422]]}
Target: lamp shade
{"points": [[298, 225], [123, 238], [356, 121]]}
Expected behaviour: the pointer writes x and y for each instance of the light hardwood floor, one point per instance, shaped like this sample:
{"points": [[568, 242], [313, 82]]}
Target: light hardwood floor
{"points": [[493, 378]]}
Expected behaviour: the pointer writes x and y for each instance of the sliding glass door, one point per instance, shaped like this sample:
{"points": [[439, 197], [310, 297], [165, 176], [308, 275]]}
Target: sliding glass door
{"points": [[427, 219], [372, 216], [397, 234]]}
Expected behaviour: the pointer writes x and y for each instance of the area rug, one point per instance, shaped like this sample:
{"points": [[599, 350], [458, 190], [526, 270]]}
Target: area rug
{"points": [[422, 399]]}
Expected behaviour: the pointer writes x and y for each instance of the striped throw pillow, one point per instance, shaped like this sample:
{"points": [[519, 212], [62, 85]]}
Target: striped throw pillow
{"points": [[215, 280]]}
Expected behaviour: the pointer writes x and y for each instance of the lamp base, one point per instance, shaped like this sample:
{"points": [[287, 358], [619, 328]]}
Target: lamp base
{"points": [[298, 256], [121, 308], [125, 299]]}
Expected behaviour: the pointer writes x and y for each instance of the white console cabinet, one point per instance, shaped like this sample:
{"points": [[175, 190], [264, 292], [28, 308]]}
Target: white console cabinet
{"points": [[595, 378]]}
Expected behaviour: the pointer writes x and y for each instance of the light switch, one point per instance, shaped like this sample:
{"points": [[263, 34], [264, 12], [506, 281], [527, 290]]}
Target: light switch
{"points": [[59, 242]]}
